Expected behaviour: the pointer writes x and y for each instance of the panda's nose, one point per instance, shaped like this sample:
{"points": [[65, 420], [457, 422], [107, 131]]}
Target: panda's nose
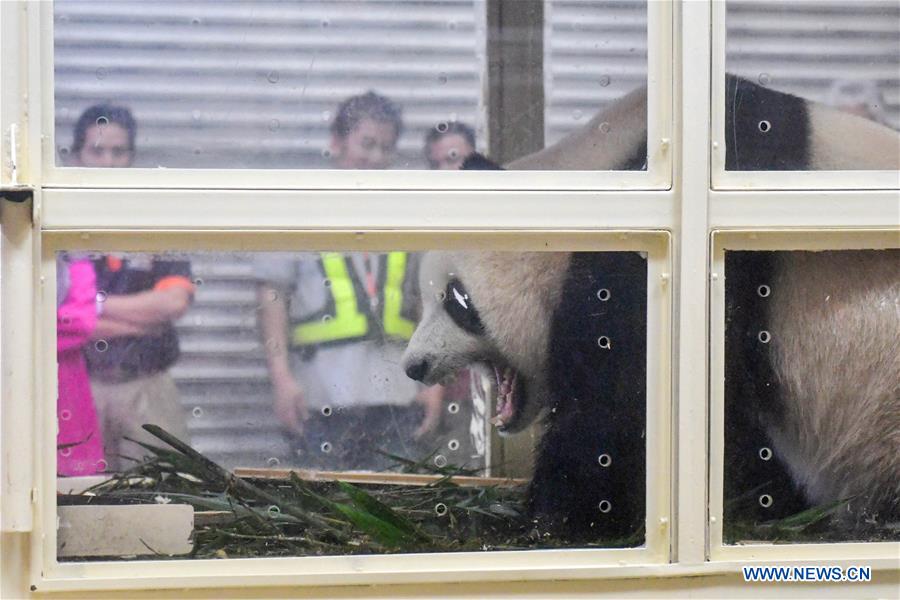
{"points": [[418, 370]]}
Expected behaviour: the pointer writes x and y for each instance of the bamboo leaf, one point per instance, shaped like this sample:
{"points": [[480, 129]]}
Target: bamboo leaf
{"points": [[378, 509]]}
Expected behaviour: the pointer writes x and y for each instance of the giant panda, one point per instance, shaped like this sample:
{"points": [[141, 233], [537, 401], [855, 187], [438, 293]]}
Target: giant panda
{"points": [[822, 394]]}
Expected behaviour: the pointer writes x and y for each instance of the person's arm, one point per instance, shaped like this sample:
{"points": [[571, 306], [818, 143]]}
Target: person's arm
{"points": [[289, 402], [108, 328], [152, 307], [432, 400]]}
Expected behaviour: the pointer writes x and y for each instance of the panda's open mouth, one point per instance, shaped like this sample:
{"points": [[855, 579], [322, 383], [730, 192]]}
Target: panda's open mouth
{"points": [[509, 396]]}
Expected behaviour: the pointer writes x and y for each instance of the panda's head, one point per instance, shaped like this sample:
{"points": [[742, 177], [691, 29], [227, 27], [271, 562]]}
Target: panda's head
{"points": [[488, 309]]}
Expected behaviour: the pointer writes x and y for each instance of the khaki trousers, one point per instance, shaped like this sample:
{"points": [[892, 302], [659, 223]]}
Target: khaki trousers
{"points": [[123, 407]]}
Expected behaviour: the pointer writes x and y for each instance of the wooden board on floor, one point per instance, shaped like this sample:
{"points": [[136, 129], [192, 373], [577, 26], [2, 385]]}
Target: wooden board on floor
{"points": [[124, 530], [376, 478]]}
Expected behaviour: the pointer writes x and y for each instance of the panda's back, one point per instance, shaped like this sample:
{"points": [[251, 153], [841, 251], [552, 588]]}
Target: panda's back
{"points": [[835, 325]]}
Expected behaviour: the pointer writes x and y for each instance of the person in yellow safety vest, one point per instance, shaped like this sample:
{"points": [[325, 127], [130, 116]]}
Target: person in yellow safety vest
{"points": [[335, 325], [334, 328]]}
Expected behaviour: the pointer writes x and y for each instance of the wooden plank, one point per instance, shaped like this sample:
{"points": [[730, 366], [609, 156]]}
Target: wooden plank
{"points": [[77, 485], [124, 530], [515, 78], [375, 478]]}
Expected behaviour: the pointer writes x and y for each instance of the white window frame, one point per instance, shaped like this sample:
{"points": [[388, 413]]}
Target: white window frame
{"points": [[239, 210], [784, 239]]}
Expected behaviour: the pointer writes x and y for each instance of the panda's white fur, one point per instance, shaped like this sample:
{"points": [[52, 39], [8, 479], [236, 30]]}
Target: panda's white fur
{"points": [[835, 322], [837, 140], [834, 316], [509, 290]]}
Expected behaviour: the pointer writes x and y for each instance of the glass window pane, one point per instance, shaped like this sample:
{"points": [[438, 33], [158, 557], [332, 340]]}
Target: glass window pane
{"points": [[399, 374], [811, 404], [812, 86], [346, 84]]}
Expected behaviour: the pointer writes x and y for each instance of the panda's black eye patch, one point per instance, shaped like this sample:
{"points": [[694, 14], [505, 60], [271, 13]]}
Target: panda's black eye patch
{"points": [[460, 308]]}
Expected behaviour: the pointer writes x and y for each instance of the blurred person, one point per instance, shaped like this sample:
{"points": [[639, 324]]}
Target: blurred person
{"points": [[335, 324], [447, 145], [104, 137], [135, 341], [365, 131], [861, 97], [79, 438]]}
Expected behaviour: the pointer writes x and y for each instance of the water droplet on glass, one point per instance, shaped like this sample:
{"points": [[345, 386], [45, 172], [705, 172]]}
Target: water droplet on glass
{"points": [[198, 281], [65, 414], [101, 73], [577, 114], [325, 447], [604, 80], [274, 511], [326, 411], [272, 76], [273, 295], [442, 127], [64, 151], [102, 465], [453, 445], [101, 296], [764, 79], [274, 124], [102, 122], [101, 345], [273, 461], [603, 127], [453, 408], [440, 509], [197, 412], [65, 452], [440, 461]]}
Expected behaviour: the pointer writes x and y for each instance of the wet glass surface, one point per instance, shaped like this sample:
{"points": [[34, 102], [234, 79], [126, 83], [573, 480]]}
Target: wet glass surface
{"points": [[374, 84], [363, 398], [812, 85], [811, 396]]}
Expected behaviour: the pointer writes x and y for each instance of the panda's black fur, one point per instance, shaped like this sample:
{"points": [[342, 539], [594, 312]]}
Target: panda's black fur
{"points": [[600, 401], [598, 404]]}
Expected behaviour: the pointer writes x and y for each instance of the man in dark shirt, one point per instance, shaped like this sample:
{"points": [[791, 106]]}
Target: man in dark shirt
{"points": [[134, 344]]}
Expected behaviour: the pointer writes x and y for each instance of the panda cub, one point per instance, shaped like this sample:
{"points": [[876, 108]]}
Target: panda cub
{"points": [[565, 335]]}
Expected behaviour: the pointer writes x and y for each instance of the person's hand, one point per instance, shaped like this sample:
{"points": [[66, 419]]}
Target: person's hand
{"points": [[290, 403], [432, 400]]}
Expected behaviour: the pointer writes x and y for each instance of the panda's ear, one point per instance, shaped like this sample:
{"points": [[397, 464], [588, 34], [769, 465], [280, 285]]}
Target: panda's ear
{"points": [[478, 162]]}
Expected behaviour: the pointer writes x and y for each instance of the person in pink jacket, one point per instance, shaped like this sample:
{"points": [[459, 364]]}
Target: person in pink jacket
{"points": [[79, 441]]}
